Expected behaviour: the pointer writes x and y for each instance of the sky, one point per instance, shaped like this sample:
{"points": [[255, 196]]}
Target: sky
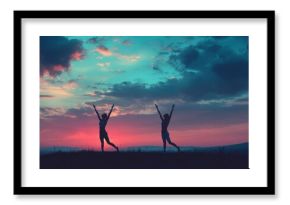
{"points": [[206, 77]]}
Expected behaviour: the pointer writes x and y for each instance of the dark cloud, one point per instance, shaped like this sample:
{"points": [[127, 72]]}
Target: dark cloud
{"points": [[46, 96], [209, 70], [192, 87], [156, 67], [56, 54], [189, 56], [205, 54], [225, 80], [129, 90], [210, 47], [173, 61], [233, 75]]}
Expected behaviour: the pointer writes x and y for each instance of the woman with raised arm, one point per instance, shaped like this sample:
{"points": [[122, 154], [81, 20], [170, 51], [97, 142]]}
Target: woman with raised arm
{"points": [[165, 120], [102, 126]]}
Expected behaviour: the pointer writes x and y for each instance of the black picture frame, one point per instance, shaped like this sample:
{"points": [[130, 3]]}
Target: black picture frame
{"points": [[269, 189]]}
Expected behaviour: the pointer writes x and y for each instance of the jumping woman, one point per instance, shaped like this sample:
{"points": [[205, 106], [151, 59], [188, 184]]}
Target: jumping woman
{"points": [[102, 127], [165, 120]]}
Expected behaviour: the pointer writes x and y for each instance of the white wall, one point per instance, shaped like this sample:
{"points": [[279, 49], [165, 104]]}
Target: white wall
{"points": [[282, 98]]}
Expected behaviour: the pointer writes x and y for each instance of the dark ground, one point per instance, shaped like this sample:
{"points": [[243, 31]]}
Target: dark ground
{"points": [[144, 160]]}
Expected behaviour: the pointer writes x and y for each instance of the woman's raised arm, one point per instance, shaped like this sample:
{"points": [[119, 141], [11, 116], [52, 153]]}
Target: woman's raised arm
{"points": [[159, 112], [110, 111], [172, 108], [97, 112]]}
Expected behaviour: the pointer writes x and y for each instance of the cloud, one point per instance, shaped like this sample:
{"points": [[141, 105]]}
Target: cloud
{"points": [[77, 55], [185, 114], [191, 87], [127, 43], [208, 52], [189, 56], [104, 65], [82, 111], [48, 112], [171, 47], [226, 102], [208, 70], [128, 58], [90, 94], [232, 74], [70, 85], [103, 51], [58, 91], [56, 54], [46, 96]]}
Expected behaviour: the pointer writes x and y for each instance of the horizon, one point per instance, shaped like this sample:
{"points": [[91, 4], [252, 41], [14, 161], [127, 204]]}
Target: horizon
{"points": [[141, 146]]}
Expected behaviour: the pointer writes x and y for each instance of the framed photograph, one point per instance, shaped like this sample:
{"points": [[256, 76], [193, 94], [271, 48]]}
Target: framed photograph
{"points": [[144, 102]]}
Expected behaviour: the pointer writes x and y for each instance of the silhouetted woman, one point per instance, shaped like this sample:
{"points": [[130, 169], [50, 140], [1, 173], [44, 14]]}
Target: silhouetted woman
{"points": [[164, 125], [102, 124]]}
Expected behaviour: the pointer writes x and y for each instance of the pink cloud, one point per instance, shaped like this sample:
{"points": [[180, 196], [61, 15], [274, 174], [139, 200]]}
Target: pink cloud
{"points": [[58, 68], [70, 85], [57, 91], [77, 55], [103, 51], [52, 71]]}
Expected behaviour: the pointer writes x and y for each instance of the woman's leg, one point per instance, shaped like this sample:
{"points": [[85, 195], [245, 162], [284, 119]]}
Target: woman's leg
{"points": [[164, 145], [110, 143], [173, 144], [102, 143], [163, 135]]}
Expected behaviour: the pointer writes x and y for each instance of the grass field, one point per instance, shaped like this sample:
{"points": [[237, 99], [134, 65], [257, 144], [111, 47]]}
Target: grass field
{"points": [[144, 160]]}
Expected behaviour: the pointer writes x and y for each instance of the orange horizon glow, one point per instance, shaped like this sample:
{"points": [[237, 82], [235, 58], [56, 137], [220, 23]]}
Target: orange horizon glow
{"points": [[129, 134]]}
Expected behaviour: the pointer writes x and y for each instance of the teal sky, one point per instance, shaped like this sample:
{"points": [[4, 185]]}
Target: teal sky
{"points": [[132, 59]]}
